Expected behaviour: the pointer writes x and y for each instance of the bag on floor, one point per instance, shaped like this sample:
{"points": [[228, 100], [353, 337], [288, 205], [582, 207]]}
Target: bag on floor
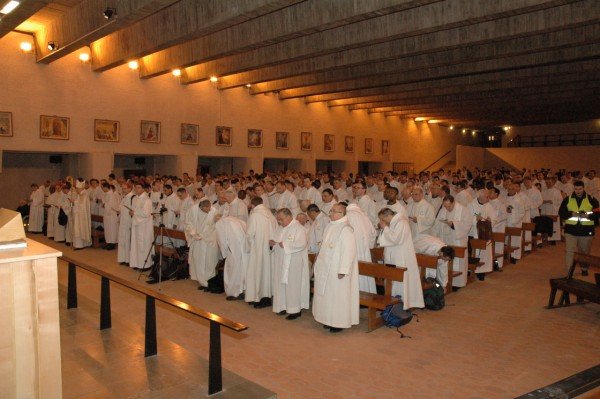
{"points": [[396, 316], [63, 219], [434, 296], [216, 285]]}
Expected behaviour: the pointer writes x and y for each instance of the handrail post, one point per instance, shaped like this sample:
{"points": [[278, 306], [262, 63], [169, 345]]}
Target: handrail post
{"points": [[150, 333], [215, 376], [105, 321], [72, 287]]}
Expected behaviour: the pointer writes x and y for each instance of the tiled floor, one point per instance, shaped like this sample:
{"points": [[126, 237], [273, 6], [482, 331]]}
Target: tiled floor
{"points": [[494, 339]]}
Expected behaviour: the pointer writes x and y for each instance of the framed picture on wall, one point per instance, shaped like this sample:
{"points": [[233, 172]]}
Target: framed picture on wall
{"points": [[306, 141], [349, 144], [255, 138], [368, 146], [189, 133], [106, 130], [150, 132], [6, 129], [385, 147], [223, 136], [54, 127], [281, 140], [329, 143]]}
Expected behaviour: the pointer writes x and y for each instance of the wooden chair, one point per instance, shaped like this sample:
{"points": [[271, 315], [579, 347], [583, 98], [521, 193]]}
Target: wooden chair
{"points": [[583, 290], [527, 227], [375, 302]]}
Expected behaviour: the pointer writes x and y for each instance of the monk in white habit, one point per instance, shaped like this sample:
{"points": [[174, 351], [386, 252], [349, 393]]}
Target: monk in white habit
{"points": [[52, 211], [481, 210], [319, 222], [327, 201], [82, 217], [552, 199], [286, 199], [142, 230], [421, 214], [399, 250], [237, 208], [261, 228], [291, 278], [365, 236], [231, 236], [36, 209], [124, 239], [111, 202], [499, 225], [433, 246], [201, 236], [453, 224], [364, 202], [336, 293], [515, 210]]}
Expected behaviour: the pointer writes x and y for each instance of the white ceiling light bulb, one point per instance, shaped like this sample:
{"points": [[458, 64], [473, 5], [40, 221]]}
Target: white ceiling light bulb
{"points": [[84, 57], [26, 47], [176, 72], [214, 79], [133, 65], [11, 5]]}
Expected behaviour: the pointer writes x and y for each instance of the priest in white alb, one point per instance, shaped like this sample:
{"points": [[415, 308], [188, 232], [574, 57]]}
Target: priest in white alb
{"points": [[82, 217], [231, 236], [124, 238], [36, 209], [111, 202], [421, 214], [201, 237], [365, 236], [142, 230]]}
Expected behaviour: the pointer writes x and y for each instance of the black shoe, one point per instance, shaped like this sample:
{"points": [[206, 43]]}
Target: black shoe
{"points": [[293, 316], [480, 276], [584, 272], [454, 289], [68, 244], [231, 298], [513, 260], [201, 288], [335, 330], [496, 266], [552, 242], [242, 296], [77, 249], [110, 247], [281, 313], [326, 327], [263, 303]]}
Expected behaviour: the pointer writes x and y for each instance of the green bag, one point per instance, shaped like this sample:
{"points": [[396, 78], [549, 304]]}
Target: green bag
{"points": [[434, 296]]}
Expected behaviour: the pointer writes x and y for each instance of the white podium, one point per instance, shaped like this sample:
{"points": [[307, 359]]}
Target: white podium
{"points": [[30, 360]]}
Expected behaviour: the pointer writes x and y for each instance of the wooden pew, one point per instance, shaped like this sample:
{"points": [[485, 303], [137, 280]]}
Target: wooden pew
{"points": [[167, 249], [459, 253], [97, 235], [511, 232], [527, 227], [426, 262], [583, 290], [375, 302], [475, 244], [377, 257], [499, 238]]}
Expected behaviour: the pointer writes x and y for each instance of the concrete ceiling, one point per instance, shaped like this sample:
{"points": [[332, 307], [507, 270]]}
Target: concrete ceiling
{"points": [[482, 63]]}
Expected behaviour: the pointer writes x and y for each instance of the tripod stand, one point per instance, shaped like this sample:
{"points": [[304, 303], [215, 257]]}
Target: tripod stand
{"points": [[157, 268]]}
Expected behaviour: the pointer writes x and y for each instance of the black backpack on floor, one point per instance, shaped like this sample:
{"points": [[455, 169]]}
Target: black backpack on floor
{"points": [[434, 296]]}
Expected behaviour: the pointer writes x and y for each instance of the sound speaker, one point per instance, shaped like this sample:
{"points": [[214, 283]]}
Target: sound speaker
{"points": [[55, 158]]}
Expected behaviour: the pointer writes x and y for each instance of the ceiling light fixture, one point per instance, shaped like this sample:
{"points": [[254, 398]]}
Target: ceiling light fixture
{"points": [[433, 121], [214, 79], [464, 131], [176, 72], [506, 128], [109, 12], [133, 65], [451, 127], [419, 119], [248, 85], [8, 7], [26, 47], [84, 57], [52, 46]]}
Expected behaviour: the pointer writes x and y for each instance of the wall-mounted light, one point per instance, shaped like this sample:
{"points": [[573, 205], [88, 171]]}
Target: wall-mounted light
{"points": [[419, 119], [26, 47], [52, 46], [109, 12], [473, 133], [464, 131], [248, 85], [84, 58], [506, 128], [451, 127], [10, 6], [133, 65], [176, 72], [433, 121], [214, 79]]}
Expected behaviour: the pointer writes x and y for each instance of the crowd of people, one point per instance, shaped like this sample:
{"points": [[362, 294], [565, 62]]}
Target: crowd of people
{"points": [[265, 225]]}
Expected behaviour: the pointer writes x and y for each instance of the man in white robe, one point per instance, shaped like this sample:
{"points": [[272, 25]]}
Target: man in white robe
{"points": [[327, 201], [286, 199], [157, 196], [481, 209], [365, 236], [552, 199], [111, 203], [291, 278], [36, 209], [142, 230], [231, 236], [515, 213], [499, 225], [433, 246], [201, 237], [454, 222], [339, 191], [336, 292], [260, 230], [172, 204], [62, 202], [319, 222], [364, 202], [82, 218], [399, 250], [124, 238], [237, 208], [421, 214], [52, 211]]}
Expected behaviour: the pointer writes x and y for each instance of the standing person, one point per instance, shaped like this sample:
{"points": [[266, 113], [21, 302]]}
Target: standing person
{"points": [[336, 297], [365, 236], [52, 215], [286, 199], [500, 224], [231, 235], [82, 217], [261, 228], [201, 237], [142, 229], [552, 200], [399, 250], [36, 209], [420, 213], [62, 202], [111, 202], [433, 246], [319, 222], [237, 208], [481, 210], [579, 211], [291, 279], [364, 202], [124, 239], [515, 212]]}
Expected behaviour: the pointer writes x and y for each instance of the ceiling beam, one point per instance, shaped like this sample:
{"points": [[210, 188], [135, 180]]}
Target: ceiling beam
{"points": [[285, 24], [20, 14], [182, 21], [564, 56], [252, 68], [550, 71]]}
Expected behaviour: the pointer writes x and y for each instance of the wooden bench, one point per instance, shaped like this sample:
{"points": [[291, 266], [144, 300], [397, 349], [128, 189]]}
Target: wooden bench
{"points": [[459, 253], [431, 262], [375, 302], [501, 239], [511, 232], [167, 250], [527, 227], [583, 290], [475, 244], [97, 235]]}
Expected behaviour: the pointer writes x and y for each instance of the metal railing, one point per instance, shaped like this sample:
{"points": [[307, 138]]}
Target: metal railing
{"points": [[436, 161], [555, 140], [215, 372]]}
